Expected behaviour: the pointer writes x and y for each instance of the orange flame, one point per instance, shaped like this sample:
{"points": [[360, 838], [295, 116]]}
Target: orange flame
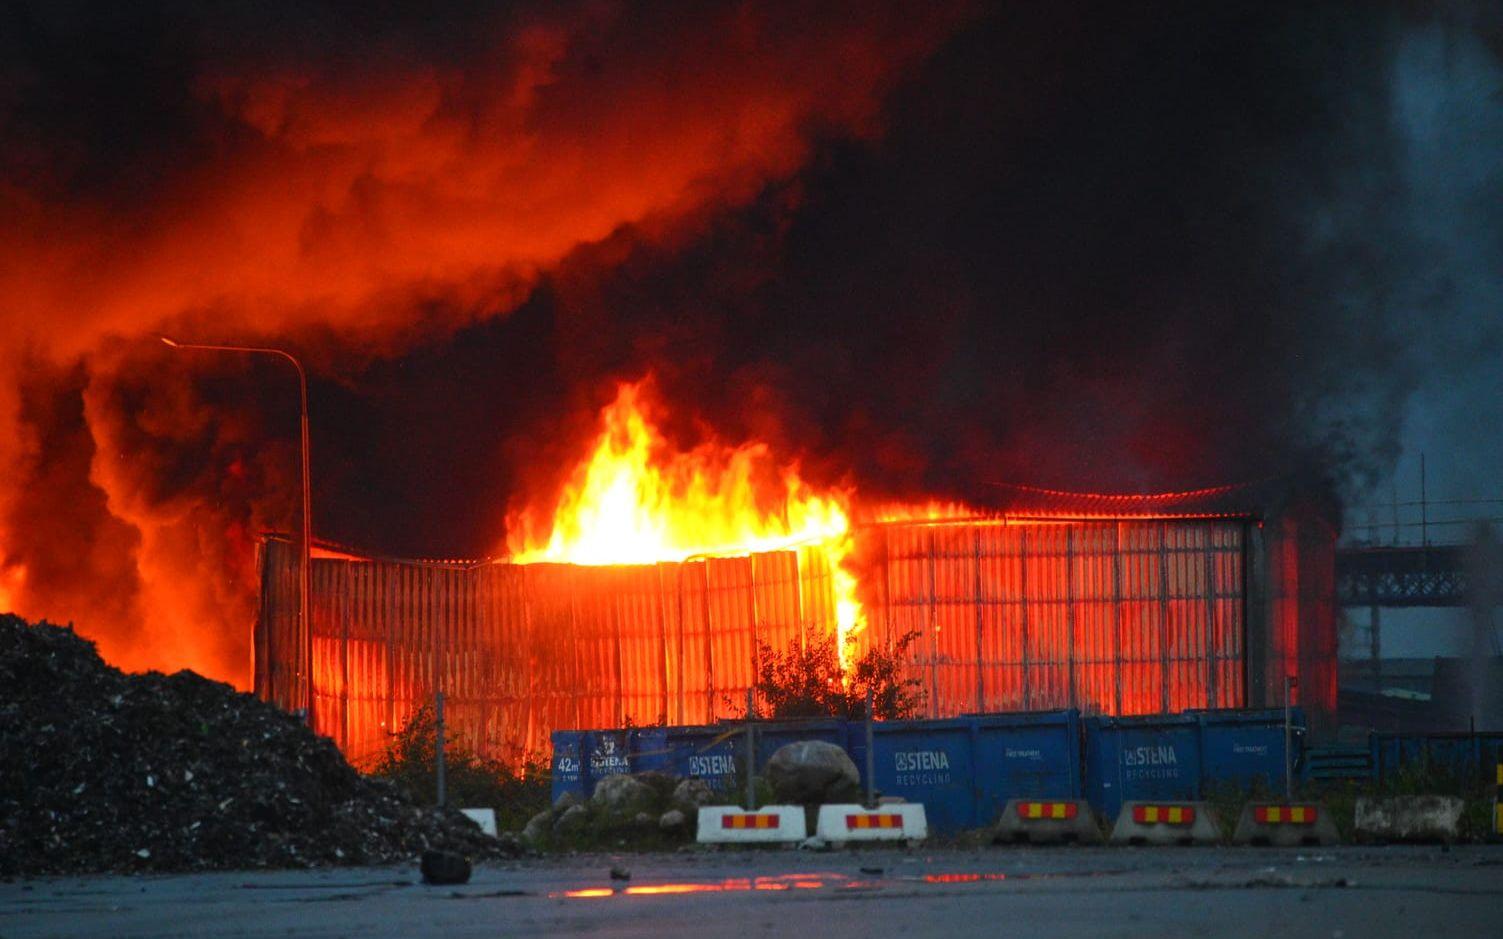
{"points": [[636, 499], [10, 585]]}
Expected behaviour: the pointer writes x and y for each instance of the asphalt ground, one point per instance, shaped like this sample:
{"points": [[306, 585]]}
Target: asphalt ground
{"points": [[1342, 893]]}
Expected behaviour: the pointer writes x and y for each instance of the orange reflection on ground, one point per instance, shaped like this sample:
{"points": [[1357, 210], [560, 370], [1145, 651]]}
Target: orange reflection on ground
{"points": [[961, 878], [661, 889], [803, 881]]}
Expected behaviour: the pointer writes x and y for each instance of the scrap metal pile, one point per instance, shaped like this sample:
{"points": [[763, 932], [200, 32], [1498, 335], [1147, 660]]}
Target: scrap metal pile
{"points": [[103, 771]]}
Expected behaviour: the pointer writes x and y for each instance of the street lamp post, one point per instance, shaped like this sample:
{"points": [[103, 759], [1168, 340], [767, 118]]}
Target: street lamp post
{"points": [[305, 567]]}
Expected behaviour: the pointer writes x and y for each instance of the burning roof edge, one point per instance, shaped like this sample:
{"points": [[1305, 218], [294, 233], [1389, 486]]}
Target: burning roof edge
{"points": [[1244, 502]]}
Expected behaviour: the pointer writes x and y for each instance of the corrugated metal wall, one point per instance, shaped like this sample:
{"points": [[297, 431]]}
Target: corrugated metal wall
{"points": [[1125, 617], [1117, 617], [522, 650]]}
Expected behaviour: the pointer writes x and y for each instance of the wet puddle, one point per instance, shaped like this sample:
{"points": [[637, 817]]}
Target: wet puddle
{"points": [[823, 880]]}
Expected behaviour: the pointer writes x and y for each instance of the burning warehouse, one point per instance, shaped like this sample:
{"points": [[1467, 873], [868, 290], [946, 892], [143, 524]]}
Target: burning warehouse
{"points": [[847, 237], [1111, 604]]}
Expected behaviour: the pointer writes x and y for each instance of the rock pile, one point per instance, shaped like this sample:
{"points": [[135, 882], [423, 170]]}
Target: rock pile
{"points": [[103, 771]]}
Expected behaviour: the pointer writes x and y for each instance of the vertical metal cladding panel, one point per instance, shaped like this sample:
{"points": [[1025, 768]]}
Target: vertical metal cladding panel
{"points": [[409, 660], [776, 599], [817, 595], [1188, 622], [276, 620], [1094, 613], [953, 642], [1025, 756], [1114, 617], [366, 657], [514, 731], [642, 642], [329, 588], [1141, 758], [1229, 643], [1004, 619], [600, 676], [1047, 592], [696, 680], [548, 606], [463, 658], [732, 632], [909, 608], [1140, 624]]}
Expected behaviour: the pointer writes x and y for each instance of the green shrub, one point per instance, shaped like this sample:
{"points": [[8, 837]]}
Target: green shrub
{"points": [[470, 780], [808, 681]]}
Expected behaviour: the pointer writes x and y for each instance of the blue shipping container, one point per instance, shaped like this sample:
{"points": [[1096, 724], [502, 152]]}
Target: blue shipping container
{"points": [[566, 763], [964, 770], [1128, 758], [1025, 756], [1246, 747], [923, 761], [1462, 755], [714, 753]]}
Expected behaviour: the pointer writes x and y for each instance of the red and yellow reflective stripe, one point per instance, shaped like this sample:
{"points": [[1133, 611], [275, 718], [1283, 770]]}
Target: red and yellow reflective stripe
{"points": [[1163, 814], [1046, 810], [749, 821], [885, 820], [1284, 814]]}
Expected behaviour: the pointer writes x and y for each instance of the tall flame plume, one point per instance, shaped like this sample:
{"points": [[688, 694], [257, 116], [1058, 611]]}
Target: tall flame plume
{"points": [[636, 499]]}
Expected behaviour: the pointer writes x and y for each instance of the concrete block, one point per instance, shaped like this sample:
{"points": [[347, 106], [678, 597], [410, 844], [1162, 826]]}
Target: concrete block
{"points": [[1408, 818], [1047, 821], [1285, 824], [893, 822], [772, 824], [1166, 823]]}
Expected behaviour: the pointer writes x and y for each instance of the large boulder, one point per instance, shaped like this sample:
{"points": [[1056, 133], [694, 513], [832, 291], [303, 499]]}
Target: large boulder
{"points": [[536, 831], [690, 794], [661, 784], [812, 772], [673, 820], [572, 819], [623, 796]]}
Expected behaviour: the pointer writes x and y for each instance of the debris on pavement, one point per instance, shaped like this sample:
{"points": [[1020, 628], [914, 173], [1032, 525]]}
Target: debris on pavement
{"points": [[445, 868]]}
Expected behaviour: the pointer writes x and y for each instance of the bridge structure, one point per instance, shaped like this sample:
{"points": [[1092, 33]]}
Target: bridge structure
{"points": [[1403, 577], [1406, 577]]}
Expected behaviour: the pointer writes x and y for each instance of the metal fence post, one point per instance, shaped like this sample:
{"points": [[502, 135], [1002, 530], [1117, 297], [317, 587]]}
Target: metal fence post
{"points": [[439, 748], [1288, 741], [751, 750], [871, 781]]}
